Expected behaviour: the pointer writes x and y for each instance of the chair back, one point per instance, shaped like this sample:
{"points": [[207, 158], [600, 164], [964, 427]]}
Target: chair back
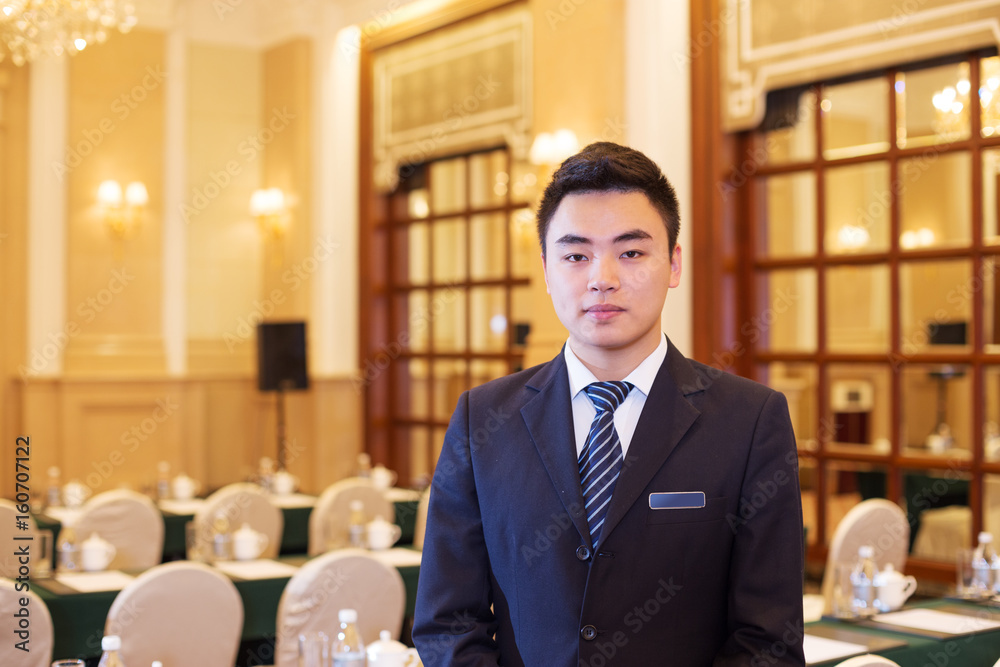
{"points": [[878, 522], [128, 520], [179, 613], [38, 633], [9, 564], [867, 661], [343, 579], [420, 527], [243, 503], [328, 523]]}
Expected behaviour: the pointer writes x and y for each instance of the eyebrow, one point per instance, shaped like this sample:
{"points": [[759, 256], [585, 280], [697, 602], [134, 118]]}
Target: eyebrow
{"points": [[631, 235]]}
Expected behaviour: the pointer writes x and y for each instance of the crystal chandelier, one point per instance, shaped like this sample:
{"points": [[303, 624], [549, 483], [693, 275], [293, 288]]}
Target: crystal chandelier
{"points": [[953, 104], [30, 28]]}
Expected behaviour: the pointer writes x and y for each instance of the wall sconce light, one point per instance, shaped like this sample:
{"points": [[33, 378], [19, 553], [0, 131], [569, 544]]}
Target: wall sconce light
{"points": [[269, 208], [549, 149], [919, 238], [122, 213]]}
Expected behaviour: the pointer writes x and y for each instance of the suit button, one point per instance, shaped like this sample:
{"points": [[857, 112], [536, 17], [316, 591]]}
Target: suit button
{"points": [[583, 553], [589, 633]]}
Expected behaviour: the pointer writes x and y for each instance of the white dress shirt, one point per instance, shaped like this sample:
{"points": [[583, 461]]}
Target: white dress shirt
{"points": [[627, 414]]}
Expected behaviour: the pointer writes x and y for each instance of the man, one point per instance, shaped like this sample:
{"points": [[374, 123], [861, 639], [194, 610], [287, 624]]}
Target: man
{"points": [[620, 504]]}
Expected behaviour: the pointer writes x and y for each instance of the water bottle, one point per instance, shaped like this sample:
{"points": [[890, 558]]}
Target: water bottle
{"points": [[67, 551], [110, 646], [356, 521], [985, 564], [863, 582], [348, 649]]}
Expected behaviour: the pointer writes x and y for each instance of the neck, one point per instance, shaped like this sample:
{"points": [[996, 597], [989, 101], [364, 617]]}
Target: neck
{"points": [[615, 364]]}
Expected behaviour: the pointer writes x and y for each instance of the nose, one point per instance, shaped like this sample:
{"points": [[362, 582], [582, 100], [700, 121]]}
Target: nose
{"points": [[603, 276]]}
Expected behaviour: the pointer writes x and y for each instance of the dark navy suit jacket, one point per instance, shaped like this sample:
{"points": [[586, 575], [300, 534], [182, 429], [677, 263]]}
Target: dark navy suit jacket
{"points": [[509, 575]]}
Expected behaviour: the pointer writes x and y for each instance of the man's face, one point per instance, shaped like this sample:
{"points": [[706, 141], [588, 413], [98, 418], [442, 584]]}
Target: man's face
{"points": [[608, 266]]}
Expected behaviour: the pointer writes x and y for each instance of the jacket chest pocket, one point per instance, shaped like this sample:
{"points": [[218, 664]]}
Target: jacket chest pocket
{"points": [[714, 510]]}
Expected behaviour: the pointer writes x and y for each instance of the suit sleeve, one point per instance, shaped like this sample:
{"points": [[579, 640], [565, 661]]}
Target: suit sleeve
{"points": [[453, 622], [766, 567]]}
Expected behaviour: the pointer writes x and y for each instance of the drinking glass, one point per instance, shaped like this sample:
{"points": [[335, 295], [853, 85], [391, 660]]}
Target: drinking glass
{"points": [[314, 649], [41, 564], [843, 591]]}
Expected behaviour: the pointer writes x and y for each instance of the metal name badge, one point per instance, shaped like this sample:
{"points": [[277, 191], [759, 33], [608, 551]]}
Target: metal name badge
{"points": [[677, 500]]}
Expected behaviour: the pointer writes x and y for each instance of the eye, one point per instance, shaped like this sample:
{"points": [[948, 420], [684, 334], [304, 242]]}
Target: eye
{"points": [[632, 254], [575, 257]]}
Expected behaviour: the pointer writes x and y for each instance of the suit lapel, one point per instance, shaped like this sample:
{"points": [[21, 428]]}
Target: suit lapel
{"points": [[666, 417], [549, 419]]}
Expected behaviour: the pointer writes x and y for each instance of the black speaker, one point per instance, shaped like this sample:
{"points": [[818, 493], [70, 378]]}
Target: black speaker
{"points": [[281, 356]]}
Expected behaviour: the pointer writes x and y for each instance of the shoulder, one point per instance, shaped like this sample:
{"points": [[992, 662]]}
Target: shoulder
{"points": [[515, 386], [711, 388]]}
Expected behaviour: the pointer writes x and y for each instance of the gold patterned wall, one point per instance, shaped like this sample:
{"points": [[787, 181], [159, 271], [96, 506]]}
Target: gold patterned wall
{"points": [[479, 76], [773, 44]]}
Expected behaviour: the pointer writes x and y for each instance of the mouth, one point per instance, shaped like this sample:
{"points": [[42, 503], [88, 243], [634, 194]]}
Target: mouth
{"points": [[603, 311]]}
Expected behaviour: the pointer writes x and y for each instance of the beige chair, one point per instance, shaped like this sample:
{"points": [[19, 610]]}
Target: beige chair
{"points": [[328, 523], [867, 661], [344, 579], [179, 613], [9, 564], [128, 520], [420, 527], [40, 637], [243, 503], [878, 522]]}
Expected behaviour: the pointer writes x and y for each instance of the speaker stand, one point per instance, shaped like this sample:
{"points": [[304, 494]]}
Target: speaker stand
{"points": [[282, 438]]}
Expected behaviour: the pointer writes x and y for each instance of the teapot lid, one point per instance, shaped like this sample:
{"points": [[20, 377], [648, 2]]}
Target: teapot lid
{"points": [[94, 537], [385, 644], [245, 528]]}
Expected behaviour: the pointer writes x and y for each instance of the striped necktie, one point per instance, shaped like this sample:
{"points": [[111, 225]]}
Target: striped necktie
{"points": [[601, 458]]}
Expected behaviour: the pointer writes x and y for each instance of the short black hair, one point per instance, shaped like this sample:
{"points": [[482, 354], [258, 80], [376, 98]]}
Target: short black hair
{"points": [[608, 167]]}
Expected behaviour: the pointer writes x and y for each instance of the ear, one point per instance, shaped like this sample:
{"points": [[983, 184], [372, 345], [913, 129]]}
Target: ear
{"points": [[545, 273], [675, 266]]}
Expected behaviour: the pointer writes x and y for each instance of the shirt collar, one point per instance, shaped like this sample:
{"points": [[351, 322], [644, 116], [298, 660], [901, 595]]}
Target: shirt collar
{"points": [[641, 378]]}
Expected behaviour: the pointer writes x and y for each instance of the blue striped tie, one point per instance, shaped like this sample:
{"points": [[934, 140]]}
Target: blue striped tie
{"points": [[601, 458]]}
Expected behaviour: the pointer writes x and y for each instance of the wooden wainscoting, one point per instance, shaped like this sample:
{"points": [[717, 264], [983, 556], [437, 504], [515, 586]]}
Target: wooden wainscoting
{"points": [[109, 433]]}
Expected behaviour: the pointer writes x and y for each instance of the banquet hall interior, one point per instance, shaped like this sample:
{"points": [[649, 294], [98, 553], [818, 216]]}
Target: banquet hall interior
{"points": [[365, 173]]}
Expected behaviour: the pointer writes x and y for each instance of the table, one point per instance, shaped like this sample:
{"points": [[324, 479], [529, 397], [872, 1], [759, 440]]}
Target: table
{"points": [[294, 538], [980, 650], [78, 618]]}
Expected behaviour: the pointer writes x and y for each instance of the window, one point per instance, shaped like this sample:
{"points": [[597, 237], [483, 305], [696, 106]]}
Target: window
{"points": [[871, 279], [447, 298]]}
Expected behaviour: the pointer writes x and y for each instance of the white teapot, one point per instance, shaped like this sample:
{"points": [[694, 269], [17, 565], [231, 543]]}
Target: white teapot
{"points": [[893, 588], [96, 553], [184, 488], [248, 543], [382, 477], [284, 483], [386, 652], [75, 493], [382, 534]]}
